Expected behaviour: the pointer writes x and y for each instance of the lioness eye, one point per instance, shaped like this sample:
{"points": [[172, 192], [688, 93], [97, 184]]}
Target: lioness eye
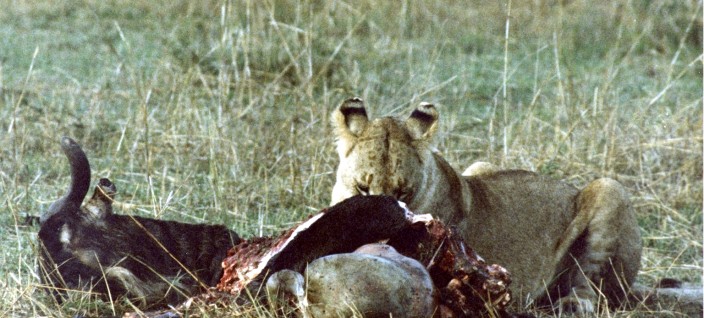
{"points": [[362, 189]]}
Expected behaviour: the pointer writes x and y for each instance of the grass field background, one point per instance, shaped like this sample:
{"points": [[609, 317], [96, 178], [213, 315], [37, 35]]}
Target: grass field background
{"points": [[218, 111]]}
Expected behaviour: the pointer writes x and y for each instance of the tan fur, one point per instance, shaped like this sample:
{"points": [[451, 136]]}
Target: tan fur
{"points": [[554, 239]]}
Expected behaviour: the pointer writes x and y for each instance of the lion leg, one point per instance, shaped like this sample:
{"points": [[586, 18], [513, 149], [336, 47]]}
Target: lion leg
{"points": [[605, 254], [479, 168]]}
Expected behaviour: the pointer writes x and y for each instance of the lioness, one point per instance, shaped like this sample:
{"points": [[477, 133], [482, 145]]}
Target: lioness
{"points": [[562, 245]]}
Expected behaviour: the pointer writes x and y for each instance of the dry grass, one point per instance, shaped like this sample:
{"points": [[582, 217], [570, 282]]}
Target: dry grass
{"points": [[218, 111]]}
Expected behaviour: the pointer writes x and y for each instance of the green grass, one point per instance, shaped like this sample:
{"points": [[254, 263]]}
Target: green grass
{"points": [[218, 111]]}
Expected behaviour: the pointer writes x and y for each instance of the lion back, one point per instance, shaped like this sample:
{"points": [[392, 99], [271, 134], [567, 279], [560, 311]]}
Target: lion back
{"points": [[506, 206]]}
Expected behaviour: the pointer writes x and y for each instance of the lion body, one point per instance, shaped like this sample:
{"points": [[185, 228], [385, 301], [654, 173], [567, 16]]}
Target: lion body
{"points": [[556, 240]]}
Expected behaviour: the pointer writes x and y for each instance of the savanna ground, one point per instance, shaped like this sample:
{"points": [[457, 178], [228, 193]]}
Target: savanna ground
{"points": [[218, 111]]}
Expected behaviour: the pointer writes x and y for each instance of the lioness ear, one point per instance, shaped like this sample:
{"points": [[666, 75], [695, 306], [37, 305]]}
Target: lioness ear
{"points": [[351, 117], [349, 120], [423, 121]]}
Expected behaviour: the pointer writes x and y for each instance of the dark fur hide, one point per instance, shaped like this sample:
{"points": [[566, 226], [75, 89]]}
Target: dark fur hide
{"points": [[152, 261]]}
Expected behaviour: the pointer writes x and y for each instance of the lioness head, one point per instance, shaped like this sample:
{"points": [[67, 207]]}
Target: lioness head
{"points": [[382, 156]]}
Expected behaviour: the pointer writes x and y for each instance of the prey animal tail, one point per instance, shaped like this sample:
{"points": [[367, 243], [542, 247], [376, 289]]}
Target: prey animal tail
{"points": [[80, 180]]}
